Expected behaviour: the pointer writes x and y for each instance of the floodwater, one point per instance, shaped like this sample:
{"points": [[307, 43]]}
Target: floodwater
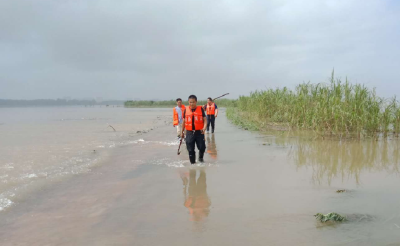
{"points": [[39, 145], [253, 189]]}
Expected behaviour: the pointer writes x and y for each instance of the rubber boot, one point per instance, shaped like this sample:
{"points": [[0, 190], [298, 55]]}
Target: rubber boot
{"points": [[192, 159], [201, 155]]}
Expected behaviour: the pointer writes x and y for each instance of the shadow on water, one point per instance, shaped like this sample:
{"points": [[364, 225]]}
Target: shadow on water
{"points": [[341, 159]]}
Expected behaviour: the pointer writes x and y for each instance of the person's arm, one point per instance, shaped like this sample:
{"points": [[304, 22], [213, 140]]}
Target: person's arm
{"points": [[183, 128], [205, 125], [183, 124], [205, 121], [216, 111], [173, 116]]}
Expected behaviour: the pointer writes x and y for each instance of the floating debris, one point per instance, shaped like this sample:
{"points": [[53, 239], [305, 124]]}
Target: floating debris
{"points": [[112, 126], [330, 217], [340, 191]]}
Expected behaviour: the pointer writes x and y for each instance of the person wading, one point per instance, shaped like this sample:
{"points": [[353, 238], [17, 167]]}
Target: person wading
{"points": [[212, 113], [178, 119], [195, 121]]}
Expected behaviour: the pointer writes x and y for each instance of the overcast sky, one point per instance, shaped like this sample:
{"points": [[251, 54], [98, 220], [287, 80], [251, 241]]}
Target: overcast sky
{"points": [[163, 49]]}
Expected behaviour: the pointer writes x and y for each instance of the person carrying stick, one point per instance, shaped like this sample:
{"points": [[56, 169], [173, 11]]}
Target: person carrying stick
{"points": [[195, 122]]}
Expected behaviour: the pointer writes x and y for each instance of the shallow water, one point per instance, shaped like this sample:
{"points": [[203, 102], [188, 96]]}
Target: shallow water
{"points": [[253, 189], [40, 145]]}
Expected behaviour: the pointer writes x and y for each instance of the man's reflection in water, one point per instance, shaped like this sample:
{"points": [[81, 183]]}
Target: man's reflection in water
{"points": [[211, 146], [196, 199]]}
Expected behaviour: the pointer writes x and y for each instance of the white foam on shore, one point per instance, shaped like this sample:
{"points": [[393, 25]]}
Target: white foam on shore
{"points": [[29, 176], [173, 143], [8, 166], [170, 163], [5, 203]]}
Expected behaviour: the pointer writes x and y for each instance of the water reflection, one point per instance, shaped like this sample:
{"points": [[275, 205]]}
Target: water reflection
{"points": [[212, 146], [347, 159], [344, 159], [195, 194]]}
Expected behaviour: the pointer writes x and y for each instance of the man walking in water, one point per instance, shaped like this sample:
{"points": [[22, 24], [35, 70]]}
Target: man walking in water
{"points": [[212, 113], [195, 122], [178, 119]]}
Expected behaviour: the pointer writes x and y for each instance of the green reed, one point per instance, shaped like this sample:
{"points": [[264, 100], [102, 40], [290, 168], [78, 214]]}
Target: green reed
{"points": [[336, 108]]}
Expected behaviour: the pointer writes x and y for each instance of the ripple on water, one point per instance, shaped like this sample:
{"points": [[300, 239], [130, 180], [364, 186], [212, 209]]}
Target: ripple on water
{"points": [[167, 143], [180, 163]]}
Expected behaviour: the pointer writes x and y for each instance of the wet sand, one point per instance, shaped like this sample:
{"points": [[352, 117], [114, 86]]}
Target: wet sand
{"points": [[253, 190]]}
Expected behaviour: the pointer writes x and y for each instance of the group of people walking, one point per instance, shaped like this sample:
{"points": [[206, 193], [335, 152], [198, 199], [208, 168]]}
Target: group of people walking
{"points": [[193, 122]]}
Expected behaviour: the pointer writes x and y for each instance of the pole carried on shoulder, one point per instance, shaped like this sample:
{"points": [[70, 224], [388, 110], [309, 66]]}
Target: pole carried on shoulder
{"points": [[221, 96]]}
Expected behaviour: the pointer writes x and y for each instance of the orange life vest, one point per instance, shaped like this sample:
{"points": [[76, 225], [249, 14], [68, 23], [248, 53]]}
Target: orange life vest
{"points": [[176, 116], [211, 109], [198, 119]]}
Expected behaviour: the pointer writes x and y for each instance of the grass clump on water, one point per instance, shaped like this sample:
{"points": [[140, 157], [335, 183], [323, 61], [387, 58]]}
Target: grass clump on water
{"points": [[336, 108], [330, 217]]}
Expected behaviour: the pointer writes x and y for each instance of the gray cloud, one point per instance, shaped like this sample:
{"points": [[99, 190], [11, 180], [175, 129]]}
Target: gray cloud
{"points": [[165, 49]]}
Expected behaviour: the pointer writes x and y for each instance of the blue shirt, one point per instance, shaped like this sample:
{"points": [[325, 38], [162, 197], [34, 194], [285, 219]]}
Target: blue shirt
{"points": [[179, 112]]}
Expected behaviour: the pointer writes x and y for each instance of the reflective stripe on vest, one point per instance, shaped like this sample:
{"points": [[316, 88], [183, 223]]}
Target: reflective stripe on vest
{"points": [[198, 119], [211, 109]]}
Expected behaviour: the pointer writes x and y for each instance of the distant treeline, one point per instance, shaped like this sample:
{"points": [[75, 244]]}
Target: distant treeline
{"points": [[54, 102], [172, 103]]}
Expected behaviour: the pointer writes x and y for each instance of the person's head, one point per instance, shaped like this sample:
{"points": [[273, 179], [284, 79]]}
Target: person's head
{"points": [[209, 100], [179, 102], [192, 101]]}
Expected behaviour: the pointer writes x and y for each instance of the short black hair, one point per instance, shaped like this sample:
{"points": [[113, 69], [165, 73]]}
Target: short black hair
{"points": [[178, 99], [192, 97], [210, 99]]}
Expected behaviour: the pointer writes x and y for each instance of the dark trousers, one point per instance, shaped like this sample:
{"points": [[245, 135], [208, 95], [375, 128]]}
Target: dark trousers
{"points": [[211, 120], [192, 139]]}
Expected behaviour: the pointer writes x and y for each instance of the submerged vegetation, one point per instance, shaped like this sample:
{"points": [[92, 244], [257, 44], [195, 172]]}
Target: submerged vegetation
{"points": [[330, 217], [172, 103], [337, 108]]}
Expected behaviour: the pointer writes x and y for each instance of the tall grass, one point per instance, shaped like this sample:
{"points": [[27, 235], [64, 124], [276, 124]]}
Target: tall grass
{"points": [[335, 108], [172, 103]]}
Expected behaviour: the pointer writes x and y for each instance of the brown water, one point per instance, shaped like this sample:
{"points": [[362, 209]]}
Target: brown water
{"points": [[252, 190], [42, 145]]}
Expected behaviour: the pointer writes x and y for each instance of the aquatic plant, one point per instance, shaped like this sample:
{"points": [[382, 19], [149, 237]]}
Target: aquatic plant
{"points": [[335, 108], [330, 217]]}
